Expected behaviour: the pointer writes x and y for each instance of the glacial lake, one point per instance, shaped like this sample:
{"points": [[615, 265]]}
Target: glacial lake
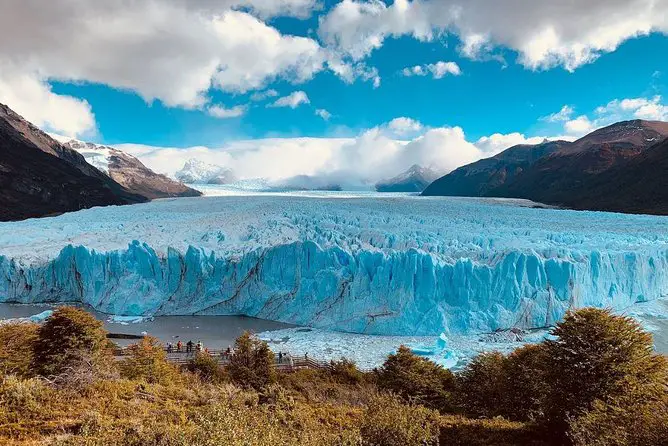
{"points": [[215, 332]]}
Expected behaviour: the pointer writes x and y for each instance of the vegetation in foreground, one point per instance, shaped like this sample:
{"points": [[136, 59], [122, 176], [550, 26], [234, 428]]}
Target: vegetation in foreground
{"points": [[596, 382]]}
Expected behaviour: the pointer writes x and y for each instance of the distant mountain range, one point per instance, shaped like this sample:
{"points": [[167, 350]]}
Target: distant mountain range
{"points": [[39, 176], [130, 173], [609, 169], [198, 172], [415, 179]]}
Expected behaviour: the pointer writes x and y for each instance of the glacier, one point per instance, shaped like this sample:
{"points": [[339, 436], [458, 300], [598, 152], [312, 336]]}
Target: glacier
{"points": [[385, 265]]}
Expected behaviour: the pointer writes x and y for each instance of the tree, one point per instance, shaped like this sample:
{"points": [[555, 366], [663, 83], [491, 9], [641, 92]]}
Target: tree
{"points": [[252, 364], [481, 386], [596, 358], [207, 368], [416, 378], [69, 337], [148, 362]]}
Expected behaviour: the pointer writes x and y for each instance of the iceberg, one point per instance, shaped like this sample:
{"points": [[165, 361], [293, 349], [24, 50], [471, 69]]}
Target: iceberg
{"points": [[375, 265]]}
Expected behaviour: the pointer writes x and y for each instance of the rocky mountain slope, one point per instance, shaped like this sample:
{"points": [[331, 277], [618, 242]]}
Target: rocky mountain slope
{"points": [[563, 173], [39, 176], [198, 172], [415, 179], [129, 172]]}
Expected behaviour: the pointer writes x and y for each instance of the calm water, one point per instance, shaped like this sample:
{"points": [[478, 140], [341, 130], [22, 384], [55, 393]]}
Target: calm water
{"points": [[214, 331]]}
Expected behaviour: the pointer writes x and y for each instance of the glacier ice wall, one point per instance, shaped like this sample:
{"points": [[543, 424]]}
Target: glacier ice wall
{"points": [[405, 292], [404, 266]]}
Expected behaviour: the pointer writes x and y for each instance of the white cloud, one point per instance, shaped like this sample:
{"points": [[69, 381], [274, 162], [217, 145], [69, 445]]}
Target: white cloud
{"points": [[618, 110], [219, 111], [562, 115], [262, 95], [324, 114], [579, 126], [350, 162], [293, 100], [173, 51], [544, 33], [33, 99], [404, 126], [438, 70]]}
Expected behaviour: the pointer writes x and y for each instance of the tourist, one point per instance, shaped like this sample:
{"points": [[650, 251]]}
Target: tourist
{"points": [[280, 357], [170, 347], [179, 346], [189, 347]]}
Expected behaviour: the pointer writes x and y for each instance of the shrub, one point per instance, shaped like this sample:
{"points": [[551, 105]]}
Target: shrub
{"points": [[481, 385], [417, 379], [390, 422], [638, 418], [207, 368], [252, 364], [461, 431], [66, 337], [596, 356], [17, 343], [148, 362], [345, 372]]}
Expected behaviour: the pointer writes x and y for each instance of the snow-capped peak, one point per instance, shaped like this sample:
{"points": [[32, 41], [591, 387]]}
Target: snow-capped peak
{"points": [[199, 172]]}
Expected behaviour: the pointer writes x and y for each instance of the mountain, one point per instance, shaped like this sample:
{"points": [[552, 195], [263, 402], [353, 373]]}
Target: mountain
{"points": [[559, 172], [129, 172], [198, 172], [478, 178], [39, 176], [638, 186], [415, 179]]}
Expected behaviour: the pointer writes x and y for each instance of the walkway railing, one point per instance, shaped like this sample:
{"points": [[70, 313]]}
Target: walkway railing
{"points": [[285, 363]]}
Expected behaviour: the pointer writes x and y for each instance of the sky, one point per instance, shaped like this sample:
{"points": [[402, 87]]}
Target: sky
{"points": [[355, 89]]}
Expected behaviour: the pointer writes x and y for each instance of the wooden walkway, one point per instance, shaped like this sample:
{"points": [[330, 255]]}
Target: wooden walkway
{"points": [[288, 363]]}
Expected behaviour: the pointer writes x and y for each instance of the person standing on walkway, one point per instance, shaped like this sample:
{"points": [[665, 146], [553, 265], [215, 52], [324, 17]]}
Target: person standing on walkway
{"points": [[179, 346], [189, 347]]}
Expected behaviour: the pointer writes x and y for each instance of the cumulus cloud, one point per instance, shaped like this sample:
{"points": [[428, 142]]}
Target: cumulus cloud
{"points": [[293, 100], [219, 111], [562, 115], [403, 126], [544, 33], [614, 111], [173, 51], [33, 99], [262, 95], [438, 70], [350, 162], [324, 114]]}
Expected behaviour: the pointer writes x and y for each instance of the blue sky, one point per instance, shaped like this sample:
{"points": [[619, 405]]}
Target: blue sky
{"points": [[461, 79]]}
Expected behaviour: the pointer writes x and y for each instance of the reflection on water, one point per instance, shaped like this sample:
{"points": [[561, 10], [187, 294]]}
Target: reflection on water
{"points": [[215, 332]]}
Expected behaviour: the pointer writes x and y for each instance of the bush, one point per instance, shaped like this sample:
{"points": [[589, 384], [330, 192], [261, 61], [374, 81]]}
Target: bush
{"points": [[596, 356], [66, 337], [252, 364], [509, 386], [639, 418], [345, 372], [207, 368], [148, 362], [389, 422], [417, 379], [17, 343]]}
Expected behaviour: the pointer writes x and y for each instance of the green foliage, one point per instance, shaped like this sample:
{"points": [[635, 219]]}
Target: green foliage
{"points": [[510, 386], [417, 379], [252, 365], [596, 356], [16, 347], [66, 338], [637, 418], [346, 372], [207, 368], [148, 362], [388, 421]]}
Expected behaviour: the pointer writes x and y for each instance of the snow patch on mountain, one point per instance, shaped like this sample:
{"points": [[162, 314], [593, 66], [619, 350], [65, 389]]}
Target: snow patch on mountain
{"points": [[198, 172]]}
